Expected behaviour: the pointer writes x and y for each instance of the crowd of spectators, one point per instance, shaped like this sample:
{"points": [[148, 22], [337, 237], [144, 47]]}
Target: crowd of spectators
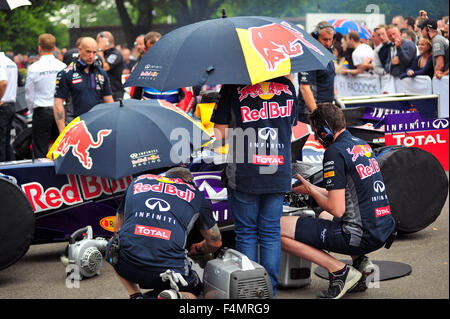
{"points": [[405, 47]]}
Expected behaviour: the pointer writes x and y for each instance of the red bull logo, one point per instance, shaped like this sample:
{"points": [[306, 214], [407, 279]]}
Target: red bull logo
{"points": [[360, 150], [276, 43], [269, 110], [80, 140], [265, 90]]}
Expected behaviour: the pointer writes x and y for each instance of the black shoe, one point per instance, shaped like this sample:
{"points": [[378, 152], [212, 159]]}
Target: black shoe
{"points": [[366, 268], [340, 284]]}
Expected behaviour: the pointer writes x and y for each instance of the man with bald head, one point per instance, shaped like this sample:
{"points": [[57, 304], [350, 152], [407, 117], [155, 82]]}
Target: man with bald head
{"points": [[84, 81], [112, 61]]}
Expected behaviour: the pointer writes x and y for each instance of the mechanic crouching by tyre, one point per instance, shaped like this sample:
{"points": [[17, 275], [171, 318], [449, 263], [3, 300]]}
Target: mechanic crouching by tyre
{"points": [[150, 232], [357, 217]]}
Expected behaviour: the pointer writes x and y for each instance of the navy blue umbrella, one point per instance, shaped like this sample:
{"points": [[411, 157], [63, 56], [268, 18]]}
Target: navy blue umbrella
{"points": [[237, 50], [117, 140]]}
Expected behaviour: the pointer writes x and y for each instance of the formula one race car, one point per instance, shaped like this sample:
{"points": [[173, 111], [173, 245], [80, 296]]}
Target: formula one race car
{"points": [[39, 206]]}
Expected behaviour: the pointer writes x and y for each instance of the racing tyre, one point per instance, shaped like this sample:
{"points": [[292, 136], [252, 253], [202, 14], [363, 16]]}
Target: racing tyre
{"points": [[17, 223], [416, 185]]}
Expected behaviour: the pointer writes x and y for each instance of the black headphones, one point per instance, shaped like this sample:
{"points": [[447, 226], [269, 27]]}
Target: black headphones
{"points": [[323, 133], [80, 64], [320, 27]]}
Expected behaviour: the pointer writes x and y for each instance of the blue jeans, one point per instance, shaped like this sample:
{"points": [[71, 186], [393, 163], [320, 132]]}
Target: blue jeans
{"points": [[257, 221]]}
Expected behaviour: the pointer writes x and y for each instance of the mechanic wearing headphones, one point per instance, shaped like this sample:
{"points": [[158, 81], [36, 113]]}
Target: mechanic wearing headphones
{"points": [[317, 86], [86, 82], [151, 228], [356, 219]]}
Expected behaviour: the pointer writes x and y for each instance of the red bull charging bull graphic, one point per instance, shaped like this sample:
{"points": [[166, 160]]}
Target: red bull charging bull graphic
{"points": [[264, 90], [360, 150], [80, 140], [276, 43]]}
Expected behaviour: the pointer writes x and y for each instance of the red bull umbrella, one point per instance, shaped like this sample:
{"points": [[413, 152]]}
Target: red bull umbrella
{"points": [[237, 50], [121, 139]]}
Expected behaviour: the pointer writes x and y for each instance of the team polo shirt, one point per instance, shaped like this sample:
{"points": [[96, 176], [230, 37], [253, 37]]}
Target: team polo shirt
{"points": [[40, 83], [350, 163], [159, 213], [86, 89], [115, 60], [322, 85], [261, 116]]}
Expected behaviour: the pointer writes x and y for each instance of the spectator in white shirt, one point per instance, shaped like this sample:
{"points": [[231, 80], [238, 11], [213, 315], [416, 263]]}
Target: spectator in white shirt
{"points": [[8, 75], [39, 94], [362, 55], [3, 82], [381, 59]]}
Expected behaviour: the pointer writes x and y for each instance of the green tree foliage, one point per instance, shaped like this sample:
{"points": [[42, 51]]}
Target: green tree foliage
{"points": [[20, 28]]}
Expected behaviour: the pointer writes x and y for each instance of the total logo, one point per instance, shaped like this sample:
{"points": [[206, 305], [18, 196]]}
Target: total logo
{"points": [[419, 140], [152, 232], [382, 211], [268, 159], [154, 203]]}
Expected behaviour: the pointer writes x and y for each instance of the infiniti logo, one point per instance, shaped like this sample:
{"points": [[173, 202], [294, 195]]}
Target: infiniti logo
{"points": [[378, 186], [440, 123], [265, 132], [163, 206]]}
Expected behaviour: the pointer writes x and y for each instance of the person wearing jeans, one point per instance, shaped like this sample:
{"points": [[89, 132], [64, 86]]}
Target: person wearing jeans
{"points": [[257, 221], [256, 121]]}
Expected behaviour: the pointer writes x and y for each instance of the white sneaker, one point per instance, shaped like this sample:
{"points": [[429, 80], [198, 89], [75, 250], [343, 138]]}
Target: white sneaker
{"points": [[340, 284], [168, 294]]}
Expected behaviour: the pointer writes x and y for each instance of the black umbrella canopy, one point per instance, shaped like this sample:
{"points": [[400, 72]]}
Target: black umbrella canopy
{"points": [[117, 140], [237, 50]]}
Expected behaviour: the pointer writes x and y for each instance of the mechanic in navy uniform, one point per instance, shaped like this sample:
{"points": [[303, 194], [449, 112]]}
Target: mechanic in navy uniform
{"points": [[256, 121], [356, 219], [84, 81], [152, 226], [112, 62], [317, 86]]}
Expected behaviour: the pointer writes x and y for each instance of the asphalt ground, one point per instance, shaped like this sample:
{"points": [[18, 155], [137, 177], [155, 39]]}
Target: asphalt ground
{"points": [[40, 275]]}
